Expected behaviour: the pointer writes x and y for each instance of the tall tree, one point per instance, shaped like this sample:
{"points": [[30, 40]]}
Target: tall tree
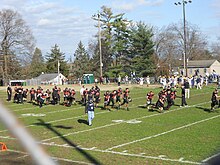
{"points": [[37, 63], [121, 34], [215, 49], [54, 58], [169, 45], [16, 39], [142, 49], [81, 63], [107, 19]]}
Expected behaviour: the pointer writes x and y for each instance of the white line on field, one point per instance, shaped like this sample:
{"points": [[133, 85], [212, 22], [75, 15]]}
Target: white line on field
{"points": [[125, 154], [7, 137], [54, 121], [207, 159], [51, 112], [163, 133], [72, 161], [55, 158], [21, 157], [113, 124], [148, 157], [73, 133]]}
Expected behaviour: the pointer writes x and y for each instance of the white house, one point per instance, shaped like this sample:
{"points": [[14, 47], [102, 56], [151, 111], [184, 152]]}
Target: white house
{"points": [[52, 78], [203, 67]]}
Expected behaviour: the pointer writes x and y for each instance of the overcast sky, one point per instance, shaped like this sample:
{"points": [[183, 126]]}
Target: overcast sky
{"points": [[66, 22]]}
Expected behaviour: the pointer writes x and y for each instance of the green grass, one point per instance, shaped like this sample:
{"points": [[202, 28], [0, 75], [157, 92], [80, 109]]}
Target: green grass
{"points": [[190, 134]]}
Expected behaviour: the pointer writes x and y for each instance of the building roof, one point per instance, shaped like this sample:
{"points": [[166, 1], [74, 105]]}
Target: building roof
{"points": [[47, 77], [200, 63]]}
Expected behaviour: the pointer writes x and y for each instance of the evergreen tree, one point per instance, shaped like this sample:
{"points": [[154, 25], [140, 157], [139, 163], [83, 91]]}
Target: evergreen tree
{"points": [[120, 39], [52, 61], [142, 49], [37, 63], [81, 63]]}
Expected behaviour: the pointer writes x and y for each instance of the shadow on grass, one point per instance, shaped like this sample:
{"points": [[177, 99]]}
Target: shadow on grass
{"points": [[204, 109], [83, 121], [63, 127], [81, 151]]}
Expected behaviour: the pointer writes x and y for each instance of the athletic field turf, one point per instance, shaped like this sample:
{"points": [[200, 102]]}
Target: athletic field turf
{"points": [[182, 135]]}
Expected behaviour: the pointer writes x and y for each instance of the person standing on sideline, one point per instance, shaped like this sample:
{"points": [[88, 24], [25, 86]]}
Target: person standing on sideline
{"points": [[81, 93], [183, 93], [9, 92], [90, 111], [148, 81], [141, 81], [119, 80], [187, 88], [198, 81]]}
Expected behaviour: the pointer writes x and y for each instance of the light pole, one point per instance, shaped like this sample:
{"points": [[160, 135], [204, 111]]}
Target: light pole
{"points": [[58, 71], [184, 2], [100, 44]]}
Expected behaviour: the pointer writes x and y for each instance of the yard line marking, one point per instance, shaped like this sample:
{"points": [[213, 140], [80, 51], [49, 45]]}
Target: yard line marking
{"points": [[54, 121], [87, 130], [209, 158], [72, 161], [55, 158], [127, 154], [163, 133], [113, 124], [58, 111], [149, 157], [24, 156], [7, 137]]}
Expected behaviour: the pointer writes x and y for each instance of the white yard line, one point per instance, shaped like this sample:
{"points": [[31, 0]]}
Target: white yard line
{"points": [[7, 137], [163, 133], [113, 124], [58, 111], [149, 157], [54, 121], [207, 159], [55, 158], [180, 160], [72, 161], [73, 133]]}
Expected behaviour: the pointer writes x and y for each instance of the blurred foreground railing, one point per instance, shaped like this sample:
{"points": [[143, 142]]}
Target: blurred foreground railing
{"points": [[37, 153]]}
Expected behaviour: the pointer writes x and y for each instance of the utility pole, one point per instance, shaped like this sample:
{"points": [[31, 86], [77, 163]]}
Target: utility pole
{"points": [[100, 45], [184, 2], [99, 39], [4, 53], [58, 71]]}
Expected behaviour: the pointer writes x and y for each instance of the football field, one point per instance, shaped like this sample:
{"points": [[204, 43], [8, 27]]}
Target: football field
{"points": [[179, 136]]}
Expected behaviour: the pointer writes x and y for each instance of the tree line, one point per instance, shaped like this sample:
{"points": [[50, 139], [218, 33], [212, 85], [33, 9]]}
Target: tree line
{"points": [[127, 46]]}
